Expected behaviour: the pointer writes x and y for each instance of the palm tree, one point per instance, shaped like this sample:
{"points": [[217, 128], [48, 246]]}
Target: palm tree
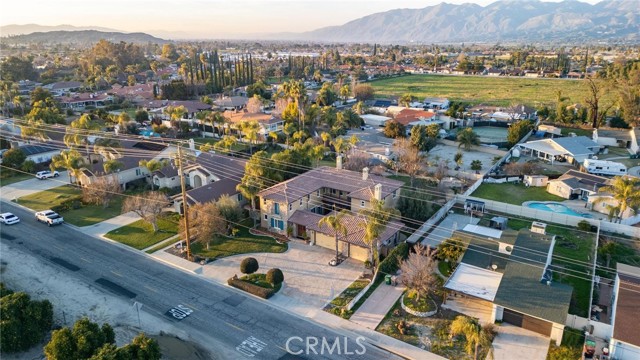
{"points": [[474, 334], [344, 92], [295, 90], [467, 138], [376, 219], [405, 100], [626, 191], [111, 166], [250, 131], [249, 189], [153, 165], [335, 220], [70, 160], [80, 130], [457, 158]]}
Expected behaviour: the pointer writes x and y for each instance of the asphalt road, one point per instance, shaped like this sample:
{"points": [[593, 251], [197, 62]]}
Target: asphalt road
{"points": [[237, 325]]}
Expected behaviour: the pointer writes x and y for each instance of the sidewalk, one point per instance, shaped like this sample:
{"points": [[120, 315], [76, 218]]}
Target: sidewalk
{"points": [[374, 309]]}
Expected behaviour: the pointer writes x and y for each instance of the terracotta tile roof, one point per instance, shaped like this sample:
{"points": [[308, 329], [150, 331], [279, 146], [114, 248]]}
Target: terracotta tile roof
{"points": [[347, 181], [407, 116], [354, 224], [242, 116]]}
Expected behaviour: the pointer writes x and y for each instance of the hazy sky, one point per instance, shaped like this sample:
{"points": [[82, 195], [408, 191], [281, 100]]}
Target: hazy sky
{"points": [[210, 18]]}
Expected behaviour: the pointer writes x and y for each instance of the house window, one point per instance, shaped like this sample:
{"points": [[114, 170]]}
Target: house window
{"points": [[264, 201], [333, 191], [240, 198], [266, 217], [276, 208], [308, 197], [361, 203], [318, 193], [340, 193], [395, 193], [300, 201], [137, 172], [290, 206]]}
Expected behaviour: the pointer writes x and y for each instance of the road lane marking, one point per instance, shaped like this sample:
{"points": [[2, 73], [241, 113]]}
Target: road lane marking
{"points": [[251, 346], [116, 273], [150, 288], [234, 326], [85, 260]]}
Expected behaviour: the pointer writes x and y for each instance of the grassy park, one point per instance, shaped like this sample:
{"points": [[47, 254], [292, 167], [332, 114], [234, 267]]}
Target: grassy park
{"points": [[499, 91]]}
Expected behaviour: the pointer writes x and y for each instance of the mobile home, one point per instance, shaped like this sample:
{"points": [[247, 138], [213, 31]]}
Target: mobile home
{"points": [[604, 167]]}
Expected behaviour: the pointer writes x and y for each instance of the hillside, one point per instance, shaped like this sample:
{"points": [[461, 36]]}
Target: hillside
{"points": [[506, 20], [81, 37], [13, 29]]}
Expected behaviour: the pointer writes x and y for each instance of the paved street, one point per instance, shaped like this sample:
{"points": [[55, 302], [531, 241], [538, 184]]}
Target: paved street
{"points": [[231, 324]]}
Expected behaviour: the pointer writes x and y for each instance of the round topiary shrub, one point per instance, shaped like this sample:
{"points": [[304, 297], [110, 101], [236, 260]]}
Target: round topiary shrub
{"points": [[275, 276], [249, 265]]}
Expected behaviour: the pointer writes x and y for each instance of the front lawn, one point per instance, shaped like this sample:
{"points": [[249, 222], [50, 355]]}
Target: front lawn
{"points": [[83, 215], [422, 304], [243, 243], [445, 268], [140, 234], [8, 176], [514, 194]]}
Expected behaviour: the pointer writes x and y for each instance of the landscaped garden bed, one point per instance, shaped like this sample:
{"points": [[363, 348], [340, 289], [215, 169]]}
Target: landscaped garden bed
{"points": [[262, 285], [244, 242], [422, 306], [338, 306]]}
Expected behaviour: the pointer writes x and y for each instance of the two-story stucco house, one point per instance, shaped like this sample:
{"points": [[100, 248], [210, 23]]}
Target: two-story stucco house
{"points": [[295, 207]]}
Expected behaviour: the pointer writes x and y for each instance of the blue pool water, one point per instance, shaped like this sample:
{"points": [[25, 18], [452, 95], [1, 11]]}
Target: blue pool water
{"points": [[149, 133], [556, 208]]}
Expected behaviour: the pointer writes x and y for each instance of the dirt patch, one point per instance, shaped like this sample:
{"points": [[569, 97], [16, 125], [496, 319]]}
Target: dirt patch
{"points": [[174, 348]]}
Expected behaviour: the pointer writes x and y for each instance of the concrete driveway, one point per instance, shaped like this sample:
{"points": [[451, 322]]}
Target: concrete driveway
{"points": [[308, 277], [514, 342], [27, 187]]}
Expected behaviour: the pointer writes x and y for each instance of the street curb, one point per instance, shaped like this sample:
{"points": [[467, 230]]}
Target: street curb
{"points": [[344, 332]]}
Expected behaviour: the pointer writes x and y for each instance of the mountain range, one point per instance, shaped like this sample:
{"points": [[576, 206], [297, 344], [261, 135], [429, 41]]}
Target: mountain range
{"points": [[81, 37], [505, 20], [522, 21]]}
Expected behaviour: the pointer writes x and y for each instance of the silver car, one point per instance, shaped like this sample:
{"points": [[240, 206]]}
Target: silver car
{"points": [[9, 219]]}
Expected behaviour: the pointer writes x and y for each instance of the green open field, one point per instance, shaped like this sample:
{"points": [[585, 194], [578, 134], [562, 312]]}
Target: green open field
{"points": [[501, 91]]}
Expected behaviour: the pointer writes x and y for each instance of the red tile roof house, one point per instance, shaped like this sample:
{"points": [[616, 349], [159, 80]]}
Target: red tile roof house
{"points": [[300, 203], [411, 117], [625, 340]]}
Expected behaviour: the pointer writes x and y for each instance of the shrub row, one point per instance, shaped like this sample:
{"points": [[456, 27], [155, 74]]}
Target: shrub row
{"points": [[251, 288], [391, 263]]}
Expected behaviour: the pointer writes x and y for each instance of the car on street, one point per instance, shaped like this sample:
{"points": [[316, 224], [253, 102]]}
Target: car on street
{"points": [[42, 175], [49, 217], [9, 219]]}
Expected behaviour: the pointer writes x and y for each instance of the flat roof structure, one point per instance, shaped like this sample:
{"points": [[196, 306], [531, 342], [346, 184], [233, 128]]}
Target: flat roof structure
{"points": [[474, 281]]}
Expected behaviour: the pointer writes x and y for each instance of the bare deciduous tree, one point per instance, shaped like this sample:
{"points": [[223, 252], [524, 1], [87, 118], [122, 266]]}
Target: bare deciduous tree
{"points": [[101, 191], [357, 162], [417, 272], [205, 221], [527, 168], [409, 158], [148, 206], [254, 105]]}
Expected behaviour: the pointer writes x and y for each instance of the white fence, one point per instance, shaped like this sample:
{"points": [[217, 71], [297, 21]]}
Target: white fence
{"points": [[600, 330]]}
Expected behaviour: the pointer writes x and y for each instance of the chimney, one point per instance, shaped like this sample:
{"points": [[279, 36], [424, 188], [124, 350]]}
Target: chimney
{"points": [[339, 162], [377, 192], [365, 173]]}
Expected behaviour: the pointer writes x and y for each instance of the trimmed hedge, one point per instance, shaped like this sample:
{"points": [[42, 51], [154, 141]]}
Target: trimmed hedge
{"points": [[251, 288], [391, 263], [275, 276], [249, 265]]}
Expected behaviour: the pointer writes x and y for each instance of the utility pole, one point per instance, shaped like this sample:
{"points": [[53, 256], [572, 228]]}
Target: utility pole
{"points": [[185, 212]]}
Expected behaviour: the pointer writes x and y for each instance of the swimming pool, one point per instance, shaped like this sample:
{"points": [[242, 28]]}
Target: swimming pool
{"points": [[491, 134], [556, 208]]}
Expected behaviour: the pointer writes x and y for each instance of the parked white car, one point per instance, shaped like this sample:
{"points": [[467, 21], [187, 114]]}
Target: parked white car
{"points": [[49, 217], [42, 175], [9, 219]]}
